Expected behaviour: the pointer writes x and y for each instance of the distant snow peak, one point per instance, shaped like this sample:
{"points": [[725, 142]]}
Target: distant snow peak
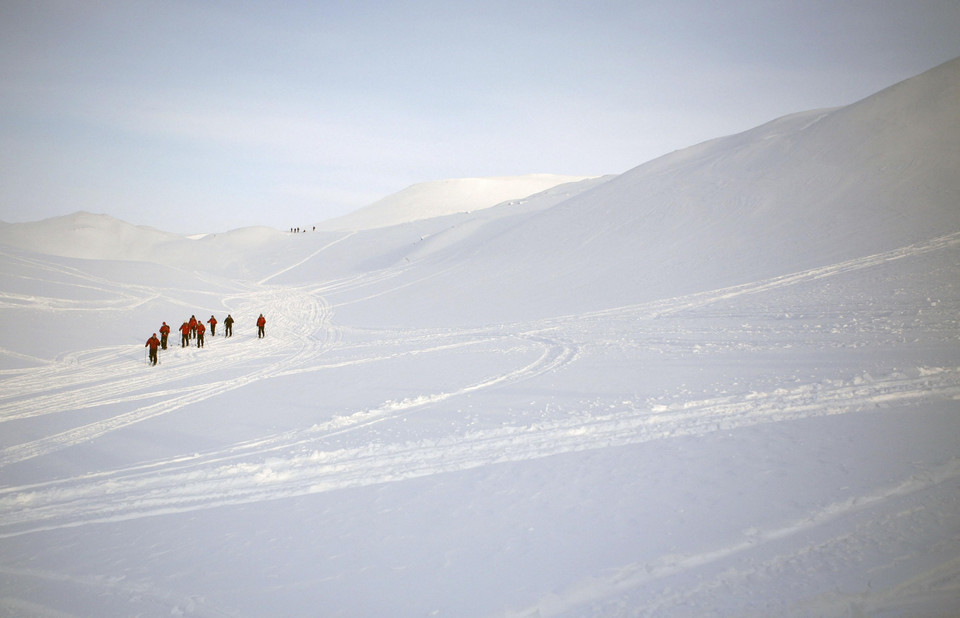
{"points": [[82, 219], [438, 198]]}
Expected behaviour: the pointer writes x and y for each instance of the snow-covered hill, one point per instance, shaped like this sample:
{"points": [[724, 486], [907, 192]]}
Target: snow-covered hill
{"points": [[86, 235], [438, 198], [800, 192], [725, 382]]}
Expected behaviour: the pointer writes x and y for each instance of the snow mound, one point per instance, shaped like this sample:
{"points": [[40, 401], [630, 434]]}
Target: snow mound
{"points": [[88, 236], [427, 200]]}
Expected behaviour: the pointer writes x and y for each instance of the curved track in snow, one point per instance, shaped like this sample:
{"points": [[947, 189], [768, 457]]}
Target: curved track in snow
{"points": [[106, 377], [301, 338], [206, 482]]}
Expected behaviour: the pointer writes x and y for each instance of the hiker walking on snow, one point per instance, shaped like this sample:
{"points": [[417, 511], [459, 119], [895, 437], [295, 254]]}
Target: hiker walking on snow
{"points": [[261, 323], [185, 335], [200, 330], [213, 326], [193, 326], [228, 325], [164, 332], [153, 343]]}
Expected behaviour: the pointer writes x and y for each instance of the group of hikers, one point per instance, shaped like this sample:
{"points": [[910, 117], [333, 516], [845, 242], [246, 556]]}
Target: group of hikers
{"points": [[194, 329]]}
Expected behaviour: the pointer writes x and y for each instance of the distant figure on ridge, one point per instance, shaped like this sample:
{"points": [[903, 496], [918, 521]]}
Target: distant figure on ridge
{"points": [[200, 330], [185, 335], [213, 326], [261, 323], [164, 333], [228, 326], [153, 343]]}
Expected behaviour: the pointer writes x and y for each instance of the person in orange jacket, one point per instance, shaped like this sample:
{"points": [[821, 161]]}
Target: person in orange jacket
{"points": [[200, 330], [164, 332], [193, 325], [185, 335], [153, 343], [261, 324], [213, 326]]}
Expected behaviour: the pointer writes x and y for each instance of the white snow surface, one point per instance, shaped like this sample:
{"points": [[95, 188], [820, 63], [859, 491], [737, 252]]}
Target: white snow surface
{"points": [[724, 383], [437, 198]]}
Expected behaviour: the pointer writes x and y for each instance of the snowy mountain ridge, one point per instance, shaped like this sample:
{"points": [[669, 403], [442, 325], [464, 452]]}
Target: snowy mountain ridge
{"points": [[99, 236], [438, 198], [835, 169], [799, 192]]}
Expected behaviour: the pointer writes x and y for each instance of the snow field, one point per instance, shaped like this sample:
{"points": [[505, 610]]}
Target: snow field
{"points": [[724, 383], [713, 366]]}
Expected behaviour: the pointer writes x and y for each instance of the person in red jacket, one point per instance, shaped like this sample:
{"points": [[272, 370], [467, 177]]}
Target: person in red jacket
{"points": [[261, 323], [193, 325], [213, 326], [200, 330], [164, 332], [153, 343], [185, 335]]}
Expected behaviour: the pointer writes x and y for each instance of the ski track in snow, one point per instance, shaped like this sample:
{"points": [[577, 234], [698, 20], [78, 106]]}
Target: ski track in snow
{"points": [[302, 321], [674, 305], [302, 335], [184, 485], [598, 595], [306, 259]]}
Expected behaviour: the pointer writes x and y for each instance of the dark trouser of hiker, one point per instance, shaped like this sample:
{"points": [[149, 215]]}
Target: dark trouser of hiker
{"points": [[185, 340], [163, 342], [153, 356], [199, 340], [260, 332], [213, 330], [229, 330]]}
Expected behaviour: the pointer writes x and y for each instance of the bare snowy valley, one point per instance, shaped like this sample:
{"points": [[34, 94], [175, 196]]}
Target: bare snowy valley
{"points": [[723, 383]]}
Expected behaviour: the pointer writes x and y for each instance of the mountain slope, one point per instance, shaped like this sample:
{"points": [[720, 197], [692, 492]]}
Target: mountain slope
{"points": [[438, 198], [260, 252], [800, 192], [86, 235]]}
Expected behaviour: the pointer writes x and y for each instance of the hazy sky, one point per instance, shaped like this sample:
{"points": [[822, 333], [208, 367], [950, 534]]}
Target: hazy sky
{"points": [[211, 115]]}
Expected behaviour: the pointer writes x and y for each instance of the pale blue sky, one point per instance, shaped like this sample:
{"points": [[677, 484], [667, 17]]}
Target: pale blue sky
{"points": [[211, 115]]}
